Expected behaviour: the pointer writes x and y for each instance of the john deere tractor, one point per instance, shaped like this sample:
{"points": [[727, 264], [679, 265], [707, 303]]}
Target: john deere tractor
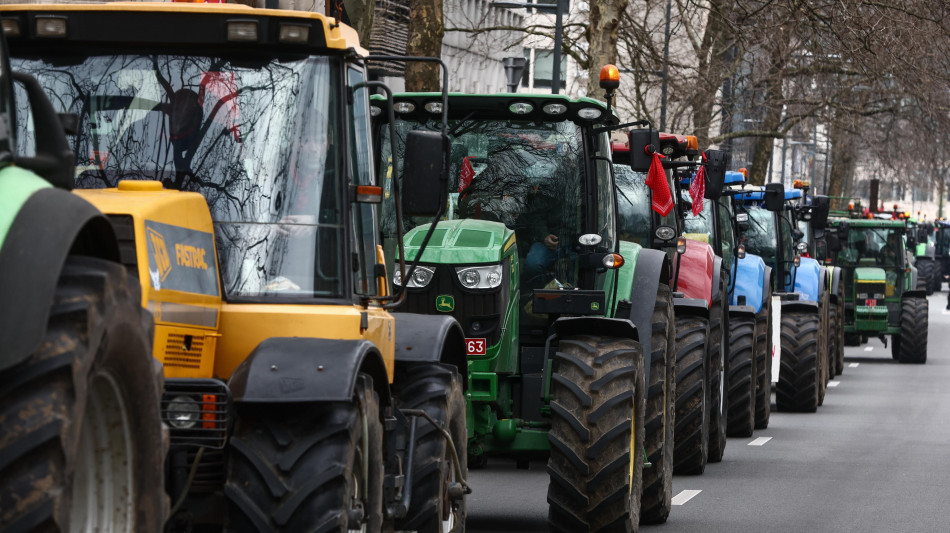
{"points": [[920, 239], [82, 444], [569, 328], [700, 287], [228, 146], [879, 287]]}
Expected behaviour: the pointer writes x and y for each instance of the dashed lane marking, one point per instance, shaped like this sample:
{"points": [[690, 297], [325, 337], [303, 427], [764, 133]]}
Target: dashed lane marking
{"points": [[833, 383], [760, 441], [868, 348], [853, 365], [684, 496]]}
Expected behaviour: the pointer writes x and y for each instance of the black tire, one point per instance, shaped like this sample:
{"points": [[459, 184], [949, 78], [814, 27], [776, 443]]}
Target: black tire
{"points": [[800, 375], [937, 279], [925, 274], [298, 468], [824, 356], [763, 364], [742, 374], [718, 345], [436, 389], [656, 500], [598, 399], [838, 309], [911, 345], [66, 446], [691, 436]]}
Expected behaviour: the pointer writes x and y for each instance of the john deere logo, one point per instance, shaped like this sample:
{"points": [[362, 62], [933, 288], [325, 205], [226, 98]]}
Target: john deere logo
{"points": [[445, 303], [595, 306]]}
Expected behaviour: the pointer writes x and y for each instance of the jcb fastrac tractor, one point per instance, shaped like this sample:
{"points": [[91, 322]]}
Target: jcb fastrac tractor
{"points": [[800, 284], [229, 147], [879, 288], [82, 441], [749, 359], [559, 313], [700, 288]]}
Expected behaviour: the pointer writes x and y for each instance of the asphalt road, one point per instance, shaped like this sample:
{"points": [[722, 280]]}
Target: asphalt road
{"points": [[874, 458]]}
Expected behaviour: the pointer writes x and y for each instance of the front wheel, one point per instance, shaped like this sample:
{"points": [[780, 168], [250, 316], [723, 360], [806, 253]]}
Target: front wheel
{"points": [[800, 375], [763, 364], [718, 345], [742, 375], [691, 435], [911, 345], [82, 432], [597, 414]]}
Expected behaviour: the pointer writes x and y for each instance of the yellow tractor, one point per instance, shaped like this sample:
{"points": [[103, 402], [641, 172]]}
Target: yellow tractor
{"points": [[229, 147]]}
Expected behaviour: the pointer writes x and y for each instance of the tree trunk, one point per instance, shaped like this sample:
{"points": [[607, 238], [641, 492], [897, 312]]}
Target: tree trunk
{"points": [[602, 38], [360, 14], [426, 30], [709, 73], [844, 148]]}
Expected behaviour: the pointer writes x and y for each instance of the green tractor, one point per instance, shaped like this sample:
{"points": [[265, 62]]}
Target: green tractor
{"points": [[80, 400], [569, 330], [920, 242], [881, 298]]}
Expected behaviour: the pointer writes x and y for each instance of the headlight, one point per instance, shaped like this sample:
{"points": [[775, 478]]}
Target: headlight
{"points": [[183, 412], [420, 278], [480, 277]]}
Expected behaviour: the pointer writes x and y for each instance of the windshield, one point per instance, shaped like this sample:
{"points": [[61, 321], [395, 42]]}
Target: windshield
{"points": [[879, 247], [257, 141], [634, 200], [760, 238], [526, 175]]}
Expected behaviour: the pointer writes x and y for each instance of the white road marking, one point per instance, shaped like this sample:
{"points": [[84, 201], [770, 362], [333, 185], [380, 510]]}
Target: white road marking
{"points": [[868, 348], [684, 496], [760, 441], [853, 365], [833, 383]]}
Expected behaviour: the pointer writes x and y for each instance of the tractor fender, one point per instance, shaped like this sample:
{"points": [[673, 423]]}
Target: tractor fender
{"points": [[717, 272], [430, 339], [653, 267], [691, 307], [914, 294], [750, 273], [746, 311], [50, 225], [808, 280], [767, 284], [595, 325], [799, 305], [694, 271], [822, 279], [306, 370], [835, 283]]}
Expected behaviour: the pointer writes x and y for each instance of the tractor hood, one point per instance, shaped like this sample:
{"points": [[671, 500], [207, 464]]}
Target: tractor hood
{"points": [[866, 274], [465, 241]]}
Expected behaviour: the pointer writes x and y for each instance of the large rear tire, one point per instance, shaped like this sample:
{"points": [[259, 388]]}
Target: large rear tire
{"points": [[597, 416], [911, 345], [691, 435], [742, 375], [763, 364], [656, 500], [300, 467], [718, 345], [925, 274], [824, 354], [82, 446], [436, 389], [838, 310], [800, 375]]}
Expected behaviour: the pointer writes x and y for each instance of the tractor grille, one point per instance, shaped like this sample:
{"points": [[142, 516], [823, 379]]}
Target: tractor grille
{"points": [[183, 351], [869, 290], [198, 411]]}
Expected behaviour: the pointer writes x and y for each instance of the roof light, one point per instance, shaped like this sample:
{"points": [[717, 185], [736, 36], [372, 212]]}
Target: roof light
{"points": [[692, 143], [433, 107], [47, 26], [521, 108], [11, 27], [555, 109], [294, 33], [404, 107], [589, 113], [609, 77], [242, 30]]}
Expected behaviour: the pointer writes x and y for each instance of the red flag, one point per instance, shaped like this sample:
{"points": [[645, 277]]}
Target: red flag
{"points": [[697, 189], [656, 180], [466, 175]]}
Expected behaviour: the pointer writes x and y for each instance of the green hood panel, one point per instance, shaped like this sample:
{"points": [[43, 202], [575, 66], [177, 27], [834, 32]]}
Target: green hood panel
{"points": [[869, 274], [16, 186], [461, 241]]}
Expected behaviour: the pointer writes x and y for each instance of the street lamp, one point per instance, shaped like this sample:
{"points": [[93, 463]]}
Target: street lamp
{"points": [[558, 7]]}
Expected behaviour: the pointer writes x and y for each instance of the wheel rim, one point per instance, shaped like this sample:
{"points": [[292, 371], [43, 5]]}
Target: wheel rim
{"points": [[102, 492], [449, 508]]}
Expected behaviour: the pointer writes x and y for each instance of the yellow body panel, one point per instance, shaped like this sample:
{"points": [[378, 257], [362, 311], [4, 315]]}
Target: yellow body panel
{"points": [[244, 326]]}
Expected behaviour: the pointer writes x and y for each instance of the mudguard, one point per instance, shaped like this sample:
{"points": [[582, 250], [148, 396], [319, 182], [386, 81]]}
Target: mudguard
{"points": [[835, 282], [808, 280], [693, 271], [742, 310], [914, 294], [430, 339], [799, 305], [767, 282], [49, 226], [750, 278], [653, 267], [717, 272], [595, 325], [690, 307], [304, 370]]}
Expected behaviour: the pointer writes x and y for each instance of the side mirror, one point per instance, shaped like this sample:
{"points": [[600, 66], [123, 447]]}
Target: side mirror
{"points": [[639, 139], [425, 173], [834, 243], [742, 222], [797, 234], [774, 197], [820, 205], [54, 161], [843, 229], [716, 163]]}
